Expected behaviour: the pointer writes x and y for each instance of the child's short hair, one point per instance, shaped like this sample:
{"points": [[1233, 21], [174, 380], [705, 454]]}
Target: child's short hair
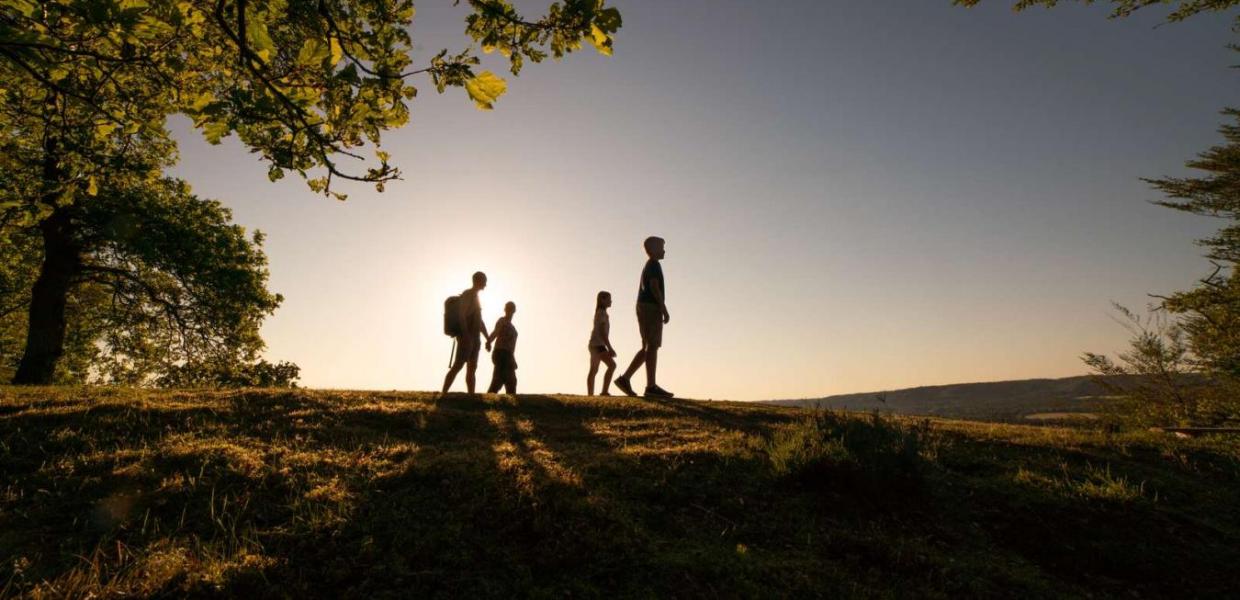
{"points": [[598, 302], [510, 305], [650, 243]]}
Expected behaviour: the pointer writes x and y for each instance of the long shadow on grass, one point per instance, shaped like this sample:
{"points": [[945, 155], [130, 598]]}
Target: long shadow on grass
{"points": [[480, 503], [529, 496]]}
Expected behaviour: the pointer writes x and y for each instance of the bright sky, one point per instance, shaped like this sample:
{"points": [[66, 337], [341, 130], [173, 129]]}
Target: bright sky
{"points": [[860, 195]]}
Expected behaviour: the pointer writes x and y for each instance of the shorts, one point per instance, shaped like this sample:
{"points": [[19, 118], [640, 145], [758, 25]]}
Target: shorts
{"points": [[650, 323], [467, 352], [503, 360]]}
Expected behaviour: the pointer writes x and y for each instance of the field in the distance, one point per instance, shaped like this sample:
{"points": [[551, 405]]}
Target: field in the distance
{"points": [[116, 492]]}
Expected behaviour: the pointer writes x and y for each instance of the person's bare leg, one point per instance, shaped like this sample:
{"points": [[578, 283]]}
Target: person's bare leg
{"points": [[594, 358], [497, 380], [470, 371], [652, 365], [451, 376], [611, 368], [638, 359], [510, 385]]}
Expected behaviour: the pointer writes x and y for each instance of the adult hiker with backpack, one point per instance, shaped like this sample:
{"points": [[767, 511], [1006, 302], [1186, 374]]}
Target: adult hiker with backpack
{"points": [[462, 319]]}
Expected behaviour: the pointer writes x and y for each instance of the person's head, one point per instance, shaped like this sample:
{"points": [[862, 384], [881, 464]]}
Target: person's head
{"points": [[480, 280], [654, 247], [603, 301], [510, 307]]}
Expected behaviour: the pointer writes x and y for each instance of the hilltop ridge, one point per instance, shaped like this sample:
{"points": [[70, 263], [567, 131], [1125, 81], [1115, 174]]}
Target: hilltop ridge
{"points": [[275, 493]]}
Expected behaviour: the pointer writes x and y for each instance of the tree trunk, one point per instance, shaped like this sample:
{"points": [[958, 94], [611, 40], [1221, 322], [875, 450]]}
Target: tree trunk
{"points": [[45, 336]]}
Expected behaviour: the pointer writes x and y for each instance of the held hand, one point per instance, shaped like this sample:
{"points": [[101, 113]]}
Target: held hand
{"points": [[488, 345], [666, 317], [611, 353]]}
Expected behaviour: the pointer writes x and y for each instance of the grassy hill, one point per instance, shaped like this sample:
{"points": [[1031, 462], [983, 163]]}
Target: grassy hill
{"points": [[113, 492], [1014, 400]]}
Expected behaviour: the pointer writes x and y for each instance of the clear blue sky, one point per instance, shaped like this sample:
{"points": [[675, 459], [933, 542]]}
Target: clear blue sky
{"points": [[856, 196]]}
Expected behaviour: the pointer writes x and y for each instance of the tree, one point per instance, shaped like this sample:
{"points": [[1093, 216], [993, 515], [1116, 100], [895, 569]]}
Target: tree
{"points": [[1206, 337], [1156, 381], [165, 290], [1211, 311], [303, 83], [1123, 8]]}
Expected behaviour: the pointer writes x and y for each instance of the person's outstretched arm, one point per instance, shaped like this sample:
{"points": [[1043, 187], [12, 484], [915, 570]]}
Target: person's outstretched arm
{"points": [[494, 332]]}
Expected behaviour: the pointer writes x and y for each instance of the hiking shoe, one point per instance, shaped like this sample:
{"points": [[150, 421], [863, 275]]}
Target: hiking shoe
{"points": [[654, 391], [623, 384]]}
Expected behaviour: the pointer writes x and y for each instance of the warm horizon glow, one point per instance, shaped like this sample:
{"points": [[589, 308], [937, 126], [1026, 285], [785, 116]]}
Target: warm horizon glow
{"points": [[953, 200]]}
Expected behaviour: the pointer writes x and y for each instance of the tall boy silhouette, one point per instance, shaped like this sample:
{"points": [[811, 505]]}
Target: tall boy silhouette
{"points": [[651, 316]]}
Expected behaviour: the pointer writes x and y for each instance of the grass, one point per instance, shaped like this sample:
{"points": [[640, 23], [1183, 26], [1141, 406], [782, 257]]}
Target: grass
{"points": [[118, 492]]}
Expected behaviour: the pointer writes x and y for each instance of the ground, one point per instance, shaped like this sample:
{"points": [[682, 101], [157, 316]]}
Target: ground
{"points": [[271, 493]]}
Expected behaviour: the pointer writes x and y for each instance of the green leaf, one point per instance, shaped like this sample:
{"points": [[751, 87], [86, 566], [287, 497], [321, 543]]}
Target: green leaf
{"points": [[25, 8], [215, 131], [312, 52], [485, 88], [260, 40], [601, 41], [337, 51], [202, 101]]}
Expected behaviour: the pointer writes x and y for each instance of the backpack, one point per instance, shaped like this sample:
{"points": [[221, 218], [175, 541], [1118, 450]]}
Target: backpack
{"points": [[452, 325]]}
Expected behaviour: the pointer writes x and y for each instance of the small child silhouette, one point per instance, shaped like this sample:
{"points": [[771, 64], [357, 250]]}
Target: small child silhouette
{"points": [[600, 345], [504, 335]]}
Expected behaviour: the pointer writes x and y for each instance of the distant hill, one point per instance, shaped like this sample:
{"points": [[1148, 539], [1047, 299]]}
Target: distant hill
{"points": [[1016, 400]]}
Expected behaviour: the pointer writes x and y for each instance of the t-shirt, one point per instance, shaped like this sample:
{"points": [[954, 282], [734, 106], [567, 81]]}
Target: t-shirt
{"points": [[652, 271], [471, 313], [505, 335], [602, 327]]}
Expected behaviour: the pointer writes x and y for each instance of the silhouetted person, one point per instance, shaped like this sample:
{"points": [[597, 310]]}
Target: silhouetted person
{"points": [[504, 335], [651, 316], [468, 344], [600, 345]]}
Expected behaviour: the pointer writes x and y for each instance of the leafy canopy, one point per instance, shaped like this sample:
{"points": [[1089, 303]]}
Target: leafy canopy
{"points": [[1211, 310], [166, 288], [303, 83], [1123, 8]]}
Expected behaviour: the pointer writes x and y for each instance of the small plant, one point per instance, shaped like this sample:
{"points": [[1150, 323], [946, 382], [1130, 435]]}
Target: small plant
{"points": [[849, 454]]}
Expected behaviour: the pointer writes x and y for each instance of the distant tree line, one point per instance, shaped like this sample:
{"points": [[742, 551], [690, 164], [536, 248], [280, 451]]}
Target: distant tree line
{"points": [[112, 272]]}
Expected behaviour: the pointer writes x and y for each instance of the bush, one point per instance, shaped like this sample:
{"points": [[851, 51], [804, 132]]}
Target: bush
{"points": [[844, 454], [231, 374], [1158, 381]]}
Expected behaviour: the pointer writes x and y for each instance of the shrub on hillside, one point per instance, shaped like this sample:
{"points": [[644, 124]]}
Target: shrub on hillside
{"points": [[1166, 383], [231, 374], [846, 454]]}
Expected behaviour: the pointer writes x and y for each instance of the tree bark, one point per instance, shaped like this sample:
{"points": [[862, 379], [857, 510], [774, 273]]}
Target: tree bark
{"points": [[45, 331], [45, 335]]}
